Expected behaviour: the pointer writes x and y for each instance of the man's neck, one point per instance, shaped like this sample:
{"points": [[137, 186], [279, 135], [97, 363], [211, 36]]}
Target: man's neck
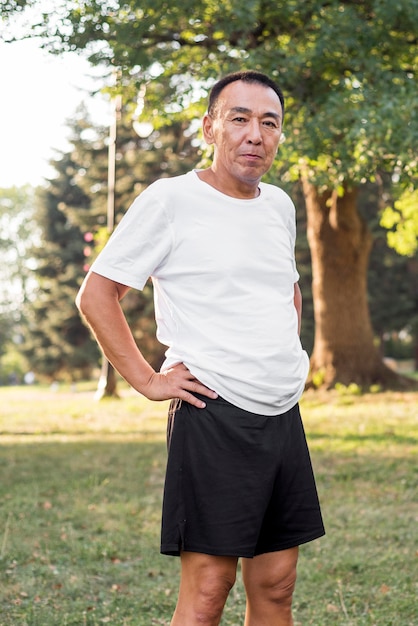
{"points": [[240, 189]]}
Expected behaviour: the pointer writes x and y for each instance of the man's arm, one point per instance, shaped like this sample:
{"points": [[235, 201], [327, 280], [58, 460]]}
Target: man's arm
{"points": [[297, 299], [99, 302]]}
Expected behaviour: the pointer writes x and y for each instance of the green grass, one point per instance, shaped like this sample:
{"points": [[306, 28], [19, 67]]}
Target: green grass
{"points": [[81, 486]]}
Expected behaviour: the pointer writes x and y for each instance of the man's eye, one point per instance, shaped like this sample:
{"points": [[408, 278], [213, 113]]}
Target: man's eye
{"points": [[241, 120], [270, 124]]}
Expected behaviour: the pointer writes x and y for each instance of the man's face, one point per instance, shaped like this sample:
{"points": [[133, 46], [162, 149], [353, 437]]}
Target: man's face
{"points": [[245, 130]]}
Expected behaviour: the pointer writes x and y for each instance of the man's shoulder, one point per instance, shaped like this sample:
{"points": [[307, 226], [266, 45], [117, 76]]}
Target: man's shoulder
{"points": [[171, 183], [276, 193]]}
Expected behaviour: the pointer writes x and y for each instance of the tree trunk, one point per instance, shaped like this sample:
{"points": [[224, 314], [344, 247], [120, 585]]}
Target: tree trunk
{"points": [[344, 348], [107, 386]]}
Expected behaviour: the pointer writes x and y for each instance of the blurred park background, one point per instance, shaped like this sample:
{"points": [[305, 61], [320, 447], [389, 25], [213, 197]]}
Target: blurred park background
{"points": [[349, 160]]}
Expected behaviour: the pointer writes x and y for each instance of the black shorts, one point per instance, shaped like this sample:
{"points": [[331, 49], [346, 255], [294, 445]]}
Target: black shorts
{"points": [[237, 483]]}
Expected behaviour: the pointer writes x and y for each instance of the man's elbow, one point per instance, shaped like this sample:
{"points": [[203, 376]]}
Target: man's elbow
{"points": [[98, 294], [84, 300]]}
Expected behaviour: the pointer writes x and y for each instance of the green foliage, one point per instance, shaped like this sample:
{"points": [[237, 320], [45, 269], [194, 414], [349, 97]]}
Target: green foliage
{"points": [[348, 390], [392, 279], [403, 218], [17, 231], [56, 341], [13, 366], [81, 499], [339, 63], [318, 378]]}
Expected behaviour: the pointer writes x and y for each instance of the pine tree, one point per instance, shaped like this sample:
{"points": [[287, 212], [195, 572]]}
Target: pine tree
{"points": [[57, 343]]}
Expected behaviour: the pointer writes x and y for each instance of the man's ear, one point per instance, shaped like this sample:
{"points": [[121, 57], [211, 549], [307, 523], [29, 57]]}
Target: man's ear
{"points": [[207, 127]]}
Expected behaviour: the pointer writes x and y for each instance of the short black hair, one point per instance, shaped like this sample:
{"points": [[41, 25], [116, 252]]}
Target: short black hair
{"points": [[247, 76]]}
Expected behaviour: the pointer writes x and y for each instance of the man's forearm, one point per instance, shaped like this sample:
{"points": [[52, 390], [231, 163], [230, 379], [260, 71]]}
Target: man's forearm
{"points": [[99, 302]]}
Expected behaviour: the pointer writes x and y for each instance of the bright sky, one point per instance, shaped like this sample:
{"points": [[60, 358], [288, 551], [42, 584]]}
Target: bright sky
{"points": [[39, 93]]}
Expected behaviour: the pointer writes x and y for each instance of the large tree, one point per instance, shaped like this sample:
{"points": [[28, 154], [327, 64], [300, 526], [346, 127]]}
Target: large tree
{"points": [[348, 69]]}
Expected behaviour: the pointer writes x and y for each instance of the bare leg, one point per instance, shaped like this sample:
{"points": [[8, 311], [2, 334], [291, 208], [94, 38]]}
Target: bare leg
{"points": [[204, 587], [269, 581]]}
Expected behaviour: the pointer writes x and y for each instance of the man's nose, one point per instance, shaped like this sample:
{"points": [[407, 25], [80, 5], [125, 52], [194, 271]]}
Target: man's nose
{"points": [[254, 132]]}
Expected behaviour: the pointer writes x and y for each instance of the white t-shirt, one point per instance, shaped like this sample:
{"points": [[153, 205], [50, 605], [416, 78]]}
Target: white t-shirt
{"points": [[223, 271]]}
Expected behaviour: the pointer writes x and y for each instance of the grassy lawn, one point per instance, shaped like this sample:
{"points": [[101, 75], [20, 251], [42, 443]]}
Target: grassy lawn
{"points": [[80, 493]]}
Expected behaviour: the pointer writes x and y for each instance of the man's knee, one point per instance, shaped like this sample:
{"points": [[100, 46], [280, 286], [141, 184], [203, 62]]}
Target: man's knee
{"points": [[271, 578], [280, 591], [205, 584], [212, 591]]}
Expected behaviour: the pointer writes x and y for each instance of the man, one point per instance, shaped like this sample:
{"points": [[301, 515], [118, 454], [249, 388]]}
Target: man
{"points": [[219, 246]]}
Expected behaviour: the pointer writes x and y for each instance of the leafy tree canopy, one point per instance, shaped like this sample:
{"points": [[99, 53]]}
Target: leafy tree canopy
{"points": [[348, 68]]}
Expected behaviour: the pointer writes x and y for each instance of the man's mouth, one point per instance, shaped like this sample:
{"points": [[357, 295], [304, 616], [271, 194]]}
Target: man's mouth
{"points": [[251, 156]]}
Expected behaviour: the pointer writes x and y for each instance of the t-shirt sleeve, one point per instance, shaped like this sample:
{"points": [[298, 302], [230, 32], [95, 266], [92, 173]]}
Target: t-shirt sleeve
{"points": [[139, 245]]}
